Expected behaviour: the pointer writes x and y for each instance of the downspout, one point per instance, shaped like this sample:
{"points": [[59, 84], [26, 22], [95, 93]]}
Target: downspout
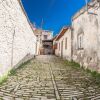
{"points": [[12, 51], [71, 39], [86, 5]]}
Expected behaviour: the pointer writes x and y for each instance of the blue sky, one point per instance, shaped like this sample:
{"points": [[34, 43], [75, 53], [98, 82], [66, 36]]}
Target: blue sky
{"points": [[55, 13]]}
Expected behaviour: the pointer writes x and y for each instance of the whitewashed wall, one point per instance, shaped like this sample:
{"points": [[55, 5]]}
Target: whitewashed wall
{"points": [[37, 48], [14, 30], [48, 33], [57, 49], [89, 25], [66, 52]]}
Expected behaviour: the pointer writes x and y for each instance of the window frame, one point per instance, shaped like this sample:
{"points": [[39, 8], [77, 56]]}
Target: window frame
{"points": [[80, 38], [45, 37], [66, 41]]}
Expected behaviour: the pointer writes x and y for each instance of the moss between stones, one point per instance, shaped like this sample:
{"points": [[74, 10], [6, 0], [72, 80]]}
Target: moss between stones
{"points": [[94, 74], [73, 64], [12, 72]]}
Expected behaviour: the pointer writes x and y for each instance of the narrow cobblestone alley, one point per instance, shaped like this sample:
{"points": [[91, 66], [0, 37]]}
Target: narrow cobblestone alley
{"points": [[48, 78]]}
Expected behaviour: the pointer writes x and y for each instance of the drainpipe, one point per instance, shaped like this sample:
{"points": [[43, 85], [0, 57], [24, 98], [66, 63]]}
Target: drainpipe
{"points": [[12, 51], [86, 2], [71, 39]]}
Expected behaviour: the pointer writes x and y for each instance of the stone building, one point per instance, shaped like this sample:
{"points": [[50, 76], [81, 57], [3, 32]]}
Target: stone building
{"points": [[17, 40], [43, 34], [86, 36], [47, 43], [43, 37], [47, 47], [63, 43]]}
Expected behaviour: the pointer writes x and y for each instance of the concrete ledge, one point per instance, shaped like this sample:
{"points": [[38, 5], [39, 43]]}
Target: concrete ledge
{"points": [[25, 59]]}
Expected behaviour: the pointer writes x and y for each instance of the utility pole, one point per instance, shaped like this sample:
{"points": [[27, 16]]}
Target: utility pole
{"points": [[93, 13], [42, 22], [86, 1]]}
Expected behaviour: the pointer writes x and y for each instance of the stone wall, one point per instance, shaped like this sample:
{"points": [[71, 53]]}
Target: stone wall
{"points": [[17, 39], [87, 25]]}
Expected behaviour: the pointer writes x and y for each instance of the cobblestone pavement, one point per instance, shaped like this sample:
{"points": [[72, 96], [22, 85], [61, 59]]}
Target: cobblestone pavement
{"points": [[48, 78]]}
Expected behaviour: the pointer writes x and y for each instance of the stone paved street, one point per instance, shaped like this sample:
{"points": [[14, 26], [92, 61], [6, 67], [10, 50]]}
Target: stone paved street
{"points": [[48, 78]]}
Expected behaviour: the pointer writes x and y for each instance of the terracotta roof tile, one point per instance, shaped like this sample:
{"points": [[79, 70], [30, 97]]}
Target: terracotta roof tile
{"points": [[63, 31]]}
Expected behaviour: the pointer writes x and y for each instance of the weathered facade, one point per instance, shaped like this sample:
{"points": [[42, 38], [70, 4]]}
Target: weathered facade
{"points": [[16, 35], [47, 47], [63, 41], [43, 36], [86, 36]]}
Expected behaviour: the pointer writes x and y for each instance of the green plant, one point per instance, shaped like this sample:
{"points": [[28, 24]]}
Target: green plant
{"points": [[73, 64], [23, 64], [12, 72], [88, 71], [95, 75], [3, 79]]}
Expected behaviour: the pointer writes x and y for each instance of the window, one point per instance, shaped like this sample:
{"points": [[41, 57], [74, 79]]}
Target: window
{"points": [[65, 43], [37, 36], [80, 41], [45, 37]]}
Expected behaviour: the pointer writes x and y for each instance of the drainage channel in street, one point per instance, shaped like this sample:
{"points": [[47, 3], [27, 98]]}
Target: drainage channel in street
{"points": [[54, 85]]}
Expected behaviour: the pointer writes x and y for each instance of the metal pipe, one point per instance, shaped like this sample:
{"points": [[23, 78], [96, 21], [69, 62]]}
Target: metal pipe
{"points": [[86, 5], [12, 52]]}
